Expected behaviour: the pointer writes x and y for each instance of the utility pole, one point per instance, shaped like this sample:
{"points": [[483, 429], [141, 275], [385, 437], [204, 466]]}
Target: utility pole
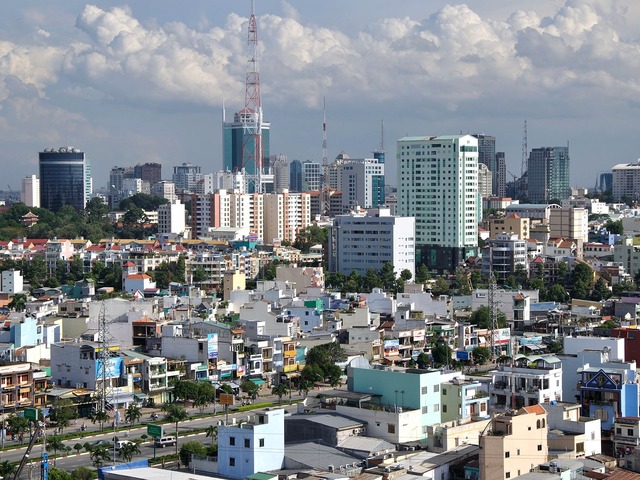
{"points": [[493, 313]]}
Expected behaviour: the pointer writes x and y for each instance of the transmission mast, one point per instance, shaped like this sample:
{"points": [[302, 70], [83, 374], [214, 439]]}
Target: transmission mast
{"points": [[252, 154], [104, 339], [324, 193], [525, 152], [493, 312]]}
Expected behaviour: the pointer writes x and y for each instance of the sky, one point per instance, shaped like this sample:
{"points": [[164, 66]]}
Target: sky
{"points": [[145, 81]]}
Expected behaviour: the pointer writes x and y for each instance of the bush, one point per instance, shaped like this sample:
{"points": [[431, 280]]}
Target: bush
{"points": [[191, 448]]}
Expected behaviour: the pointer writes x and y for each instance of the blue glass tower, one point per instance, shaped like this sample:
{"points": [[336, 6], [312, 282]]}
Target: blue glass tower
{"points": [[65, 178]]}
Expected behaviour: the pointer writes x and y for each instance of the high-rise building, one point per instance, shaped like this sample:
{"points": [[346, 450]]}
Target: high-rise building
{"points": [[500, 185], [502, 256], [171, 218], [186, 176], [362, 183], [487, 156], [30, 191], [281, 175], [65, 178], [485, 181], [235, 136], [295, 176], [311, 176], [548, 174], [438, 185], [150, 171], [626, 180], [164, 189]]}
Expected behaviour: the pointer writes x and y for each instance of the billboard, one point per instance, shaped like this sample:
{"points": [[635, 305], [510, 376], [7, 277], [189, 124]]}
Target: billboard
{"points": [[212, 345], [113, 367]]}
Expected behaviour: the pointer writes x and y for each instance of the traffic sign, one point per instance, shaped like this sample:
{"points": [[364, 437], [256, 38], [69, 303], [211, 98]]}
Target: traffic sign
{"points": [[31, 413], [154, 430]]}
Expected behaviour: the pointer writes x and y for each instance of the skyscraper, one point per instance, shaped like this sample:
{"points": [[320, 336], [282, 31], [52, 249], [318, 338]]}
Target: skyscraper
{"points": [[30, 192], [487, 156], [235, 136], [280, 169], [65, 178], [295, 176], [362, 183], [500, 186], [150, 171], [548, 174], [311, 176], [186, 176], [438, 185]]}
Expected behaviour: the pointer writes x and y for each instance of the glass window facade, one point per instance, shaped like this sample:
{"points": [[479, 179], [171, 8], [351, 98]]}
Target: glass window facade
{"points": [[64, 179]]}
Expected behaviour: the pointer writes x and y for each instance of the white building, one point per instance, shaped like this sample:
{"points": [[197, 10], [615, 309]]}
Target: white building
{"points": [[171, 218], [254, 444], [438, 185], [30, 191], [503, 255], [485, 179], [363, 241], [12, 282], [284, 215], [362, 183], [614, 346], [626, 180], [311, 176], [164, 189], [131, 186]]}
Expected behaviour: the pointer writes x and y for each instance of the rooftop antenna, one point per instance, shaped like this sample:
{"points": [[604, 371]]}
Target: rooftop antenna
{"points": [[525, 151]]}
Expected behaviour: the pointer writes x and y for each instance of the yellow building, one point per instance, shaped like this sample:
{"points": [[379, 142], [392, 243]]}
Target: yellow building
{"points": [[513, 443], [513, 223]]}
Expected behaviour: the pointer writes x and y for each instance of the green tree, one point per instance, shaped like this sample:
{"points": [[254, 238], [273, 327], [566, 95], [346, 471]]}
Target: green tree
{"points": [[143, 201], [371, 280], [557, 293], [280, 391], [353, 283], [311, 375], [7, 469], [332, 375], [84, 473], [521, 275], [582, 272], [128, 451], [132, 414], [180, 270], [204, 395], [100, 417], [55, 443], [620, 288], [462, 282], [511, 282], [388, 276], [440, 287], [96, 210], [310, 236], [62, 412], [250, 388], [476, 278], [423, 360], [185, 390], [175, 414], [422, 275], [563, 268], [134, 216], [600, 291], [200, 275], [191, 448], [481, 355], [482, 318], [58, 474], [18, 302], [580, 290], [614, 227], [18, 426], [441, 355], [77, 447], [212, 432], [99, 454]]}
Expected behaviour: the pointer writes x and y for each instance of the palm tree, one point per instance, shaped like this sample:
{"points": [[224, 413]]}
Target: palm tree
{"points": [[7, 469], [55, 443], [280, 390], [18, 302], [175, 413], [133, 414], [99, 454], [100, 417], [128, 450], [212, 431]]}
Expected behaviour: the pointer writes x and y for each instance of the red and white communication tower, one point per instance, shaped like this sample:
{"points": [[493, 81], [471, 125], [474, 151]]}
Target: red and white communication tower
{"points": [[252, 153]]}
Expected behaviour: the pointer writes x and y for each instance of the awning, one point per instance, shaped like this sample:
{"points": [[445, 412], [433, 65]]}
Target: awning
{"points": [[258, 381], [140, 396]]}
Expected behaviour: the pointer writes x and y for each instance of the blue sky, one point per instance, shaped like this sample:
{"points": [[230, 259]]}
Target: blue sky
{"points": [[145, 80]]}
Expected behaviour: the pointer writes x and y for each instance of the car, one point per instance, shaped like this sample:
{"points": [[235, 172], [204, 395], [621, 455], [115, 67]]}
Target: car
{"points": [[165, 442], [121, 443], [100, 443]]}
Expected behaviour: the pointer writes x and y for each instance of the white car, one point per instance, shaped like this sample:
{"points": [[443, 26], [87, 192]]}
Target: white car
{"points": [[121, 443]]}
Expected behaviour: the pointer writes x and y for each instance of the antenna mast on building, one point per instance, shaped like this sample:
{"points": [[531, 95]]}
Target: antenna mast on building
{"points": [[325, 162], [525, 152], [252, 155], [103, 338], [493, 313]]}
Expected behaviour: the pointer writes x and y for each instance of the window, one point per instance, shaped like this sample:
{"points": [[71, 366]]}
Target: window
{"points": [[518, 453], [425, 409], [507, 454], [507, 475], [630, 432], [444, 409], [247, 443], [539, 447], [444, 391], [436, 408], [261, 442], [436, 388], [232, 441], [232, 462], [391, 428], [425, 390]]}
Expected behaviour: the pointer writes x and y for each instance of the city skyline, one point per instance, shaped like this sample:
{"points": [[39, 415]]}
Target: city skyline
{"points": [[146, 82]]}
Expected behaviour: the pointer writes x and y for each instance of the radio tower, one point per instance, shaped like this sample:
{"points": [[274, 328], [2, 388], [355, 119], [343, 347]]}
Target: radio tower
{"points": [[252, 115], [324, 193], [525, 152]]}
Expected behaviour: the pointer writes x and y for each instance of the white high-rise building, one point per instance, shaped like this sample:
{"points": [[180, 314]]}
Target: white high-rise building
{"points": [[362, 183], [438, 185], [30, 193], [164, 189], [171, 218], [311, 176], [284, 215], [626, 180], [363, 241]]}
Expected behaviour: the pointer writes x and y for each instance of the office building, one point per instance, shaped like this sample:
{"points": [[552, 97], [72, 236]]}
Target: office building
{"points": [[281, 174], [485, 181], [171, 218], [604, 182], [548, 174], [438, 185], [295, 176], [363, 241], [570, 223], [150, 172], [165, 189], [30, 191], [186, 176], [65, 178], [284, 215], [500, 187], [502, 256], [626, 180], [362, 184], [512, 223], [311, 176], [238, 147], [487, 156]]}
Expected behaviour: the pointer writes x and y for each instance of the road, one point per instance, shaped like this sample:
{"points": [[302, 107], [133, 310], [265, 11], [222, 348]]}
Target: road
{"points": [[72, 460]]}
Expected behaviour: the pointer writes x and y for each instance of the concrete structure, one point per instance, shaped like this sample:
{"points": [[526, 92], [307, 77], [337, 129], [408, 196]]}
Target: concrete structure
{"points": [[504, 255], [186, 176], [311, 176], [504, 300], [484, 181], [438, 185], [512, 223], [533, 211], [626, 435], [12, 282], [362, 184], [571, 432], [285, 214], [30, 191], [513, 443], [463, 399], [165, 189], [628, 254], [446, 436], [487, 157], [613, 346], [252, 445], [548, 174], [363, 241], [570, 223], [626, 180], [65, 178], [531, 380], [171, 218]]}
